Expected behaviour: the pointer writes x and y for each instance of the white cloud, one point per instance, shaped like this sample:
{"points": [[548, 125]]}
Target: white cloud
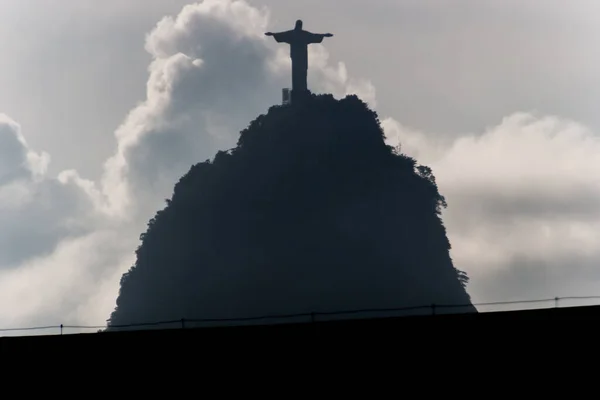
{"points": [[17, 160], [523, 200]]}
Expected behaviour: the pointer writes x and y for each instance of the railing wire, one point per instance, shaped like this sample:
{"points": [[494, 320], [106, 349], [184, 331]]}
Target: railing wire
{"points": [[312, 316]]}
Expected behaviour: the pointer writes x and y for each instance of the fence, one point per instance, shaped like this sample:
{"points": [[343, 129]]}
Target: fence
{"points": [[430, 309]]}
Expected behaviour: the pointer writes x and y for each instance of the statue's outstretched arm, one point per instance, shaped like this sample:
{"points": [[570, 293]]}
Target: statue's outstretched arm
{"points": [[318, 37], [281, 36]]}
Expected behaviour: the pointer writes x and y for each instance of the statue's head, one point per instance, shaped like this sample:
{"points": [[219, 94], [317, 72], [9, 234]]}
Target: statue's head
{"points": [[299, 25]]}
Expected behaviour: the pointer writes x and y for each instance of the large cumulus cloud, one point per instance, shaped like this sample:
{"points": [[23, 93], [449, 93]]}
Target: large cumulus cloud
{"points": [[213, 70]]}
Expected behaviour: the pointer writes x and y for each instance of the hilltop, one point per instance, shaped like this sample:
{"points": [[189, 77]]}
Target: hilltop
{"points": [[311, 212]]}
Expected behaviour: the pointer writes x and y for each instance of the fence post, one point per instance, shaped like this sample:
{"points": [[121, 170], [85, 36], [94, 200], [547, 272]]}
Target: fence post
{"points": [[182, 323], [433, 309], [61, 329]]}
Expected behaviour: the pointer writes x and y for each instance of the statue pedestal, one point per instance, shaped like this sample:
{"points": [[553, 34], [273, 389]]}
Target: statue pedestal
{"points": [[300, 96]]}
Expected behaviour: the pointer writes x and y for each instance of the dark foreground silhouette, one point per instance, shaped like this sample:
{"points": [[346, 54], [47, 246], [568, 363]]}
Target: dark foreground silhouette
{"points": [[512, 332], [311, 212]]}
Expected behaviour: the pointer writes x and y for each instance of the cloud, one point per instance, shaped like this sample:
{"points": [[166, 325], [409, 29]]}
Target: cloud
{"points": [[16, 159], [523, 204], [213, 70], [35, 211]]}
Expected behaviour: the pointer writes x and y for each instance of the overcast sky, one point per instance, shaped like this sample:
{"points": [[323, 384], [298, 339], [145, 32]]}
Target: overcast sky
{"points": [[104, 108]]}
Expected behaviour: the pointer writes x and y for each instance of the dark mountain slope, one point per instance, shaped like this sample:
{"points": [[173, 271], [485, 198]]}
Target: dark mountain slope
{"points": [[311, 211]]}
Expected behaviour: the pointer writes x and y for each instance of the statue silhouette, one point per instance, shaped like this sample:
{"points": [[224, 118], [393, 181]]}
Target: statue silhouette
{"points": [[299, 39]]}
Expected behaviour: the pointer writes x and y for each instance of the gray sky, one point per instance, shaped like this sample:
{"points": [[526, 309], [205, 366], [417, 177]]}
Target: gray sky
{"points": [[498, 97], [443, 66]]}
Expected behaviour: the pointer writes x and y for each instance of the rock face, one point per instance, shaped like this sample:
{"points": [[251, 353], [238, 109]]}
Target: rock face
{"points": [[311, 212]]}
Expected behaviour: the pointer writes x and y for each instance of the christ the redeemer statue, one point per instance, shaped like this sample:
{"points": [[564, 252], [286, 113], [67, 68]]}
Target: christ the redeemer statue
{"points": [[299, 39]]}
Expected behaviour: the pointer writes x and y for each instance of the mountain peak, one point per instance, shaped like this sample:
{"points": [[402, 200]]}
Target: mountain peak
{"points": [[310, 212]]}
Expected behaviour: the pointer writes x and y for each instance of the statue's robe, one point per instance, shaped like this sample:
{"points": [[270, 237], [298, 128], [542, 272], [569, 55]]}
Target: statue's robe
{"points": [[298, 41]]}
